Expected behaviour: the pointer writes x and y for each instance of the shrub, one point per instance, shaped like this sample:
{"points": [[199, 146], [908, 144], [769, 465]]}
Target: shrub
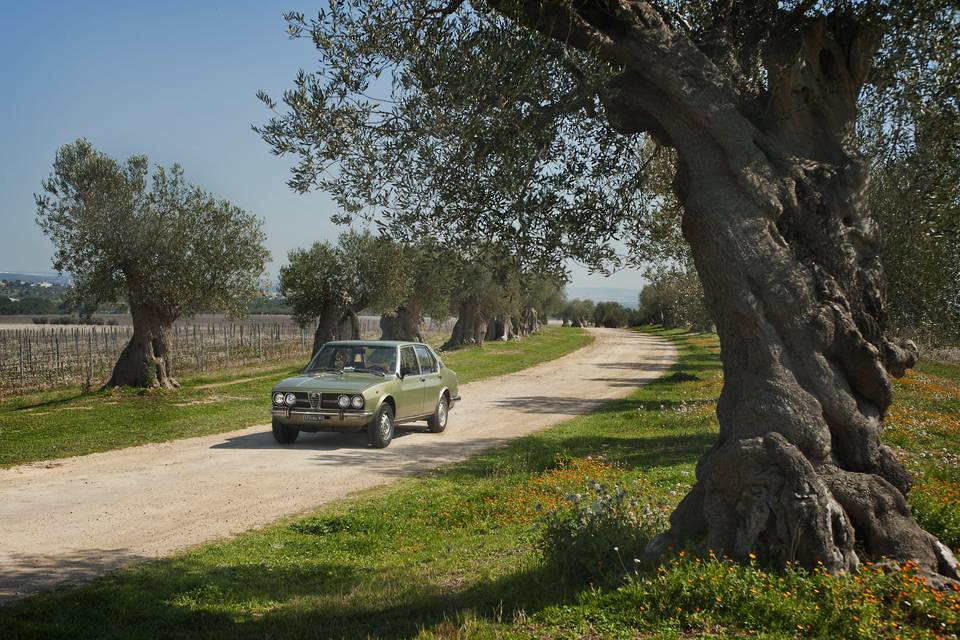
{"points": [[39, 320], [599, 534]]}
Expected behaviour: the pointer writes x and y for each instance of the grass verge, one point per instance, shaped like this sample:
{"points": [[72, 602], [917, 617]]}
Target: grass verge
{"points": [[453, 554], [68, 422]]}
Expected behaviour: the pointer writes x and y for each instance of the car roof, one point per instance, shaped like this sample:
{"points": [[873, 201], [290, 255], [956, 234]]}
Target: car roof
{"points": [[374, 343]]}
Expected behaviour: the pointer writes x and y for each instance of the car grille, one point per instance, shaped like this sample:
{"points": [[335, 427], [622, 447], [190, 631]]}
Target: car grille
{"points": [[309, 400]]}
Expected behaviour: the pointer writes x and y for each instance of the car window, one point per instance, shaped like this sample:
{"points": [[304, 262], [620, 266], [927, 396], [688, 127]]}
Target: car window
{"points": [[427, 362], [365, 357], [408, 362]]}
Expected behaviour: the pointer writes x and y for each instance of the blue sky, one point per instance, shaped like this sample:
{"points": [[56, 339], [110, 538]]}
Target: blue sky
{"points": [[173, 80]]}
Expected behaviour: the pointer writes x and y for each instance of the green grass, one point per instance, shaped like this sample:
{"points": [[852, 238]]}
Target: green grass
{"points": [[499, 358], [68, 422], [453, 554]]}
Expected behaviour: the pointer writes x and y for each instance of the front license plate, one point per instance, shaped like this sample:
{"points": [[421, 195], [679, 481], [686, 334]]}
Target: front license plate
{"points": [[309, 417]]}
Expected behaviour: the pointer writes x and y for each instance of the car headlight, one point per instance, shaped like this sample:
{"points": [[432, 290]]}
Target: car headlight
{"points": [[357, 402], [290, 399], [343, 401], [278, 398]]}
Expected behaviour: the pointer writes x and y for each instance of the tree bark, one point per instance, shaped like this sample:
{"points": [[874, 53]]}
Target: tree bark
{"points": [[531, 321], [336, 323], [405, 323], [501, 328], [146, 361], [470, 328]]}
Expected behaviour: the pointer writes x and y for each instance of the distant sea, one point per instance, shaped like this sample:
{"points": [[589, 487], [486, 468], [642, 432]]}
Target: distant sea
{"points": [[626, 297]]}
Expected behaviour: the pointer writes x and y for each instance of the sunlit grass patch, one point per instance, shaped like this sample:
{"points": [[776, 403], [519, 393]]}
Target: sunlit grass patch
{"points": [[717, 596]]}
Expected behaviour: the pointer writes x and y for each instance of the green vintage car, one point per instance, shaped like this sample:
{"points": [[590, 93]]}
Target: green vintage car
{"points": [[365, 384]]}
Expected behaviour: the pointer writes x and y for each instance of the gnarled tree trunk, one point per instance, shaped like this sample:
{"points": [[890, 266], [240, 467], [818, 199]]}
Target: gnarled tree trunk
{"points": [[336, 323], [470, 328], [787, 252], [146, 360], [530, 323], [501, 328], [405, 323]]}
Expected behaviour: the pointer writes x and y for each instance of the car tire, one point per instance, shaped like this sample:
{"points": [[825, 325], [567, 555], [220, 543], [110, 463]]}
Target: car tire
{"points": [[380, 429], [284, 434], [438, 421]]}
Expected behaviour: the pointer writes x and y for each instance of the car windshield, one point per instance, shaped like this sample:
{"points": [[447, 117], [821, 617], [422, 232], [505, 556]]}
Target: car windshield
{"points": [[354, 357]]}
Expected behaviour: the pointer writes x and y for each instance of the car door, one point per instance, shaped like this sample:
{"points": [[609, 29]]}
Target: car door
{"points": [[410, 398], [432, 381]]}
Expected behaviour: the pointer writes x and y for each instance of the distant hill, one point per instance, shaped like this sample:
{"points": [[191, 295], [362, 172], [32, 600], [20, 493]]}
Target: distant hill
{"points": [[626, 297], [35, 277]]}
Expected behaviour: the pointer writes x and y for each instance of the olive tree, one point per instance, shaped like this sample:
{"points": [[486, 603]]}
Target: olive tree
{"points": [[674, 297], [577, 313], [330, 284], [916, 197], [166, 247], [610, 315], [532, 122], [427, 283]]}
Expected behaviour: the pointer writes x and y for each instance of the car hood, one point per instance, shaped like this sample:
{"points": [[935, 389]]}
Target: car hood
{"points": [[329, 381]]}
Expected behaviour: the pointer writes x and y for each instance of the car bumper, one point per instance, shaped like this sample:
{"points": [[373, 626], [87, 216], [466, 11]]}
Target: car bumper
{"points": [[320, 418]]}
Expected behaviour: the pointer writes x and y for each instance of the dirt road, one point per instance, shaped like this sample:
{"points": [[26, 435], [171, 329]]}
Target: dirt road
{"points": [[69, 520]]}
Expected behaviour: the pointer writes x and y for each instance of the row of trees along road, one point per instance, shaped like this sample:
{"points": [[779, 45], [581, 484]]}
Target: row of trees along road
{"points": [[537, 122], [584, 313], [166, 247], [491, 297]]}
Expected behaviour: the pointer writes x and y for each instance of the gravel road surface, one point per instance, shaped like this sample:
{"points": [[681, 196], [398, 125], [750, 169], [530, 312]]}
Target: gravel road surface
{"points": [[69, 520]]}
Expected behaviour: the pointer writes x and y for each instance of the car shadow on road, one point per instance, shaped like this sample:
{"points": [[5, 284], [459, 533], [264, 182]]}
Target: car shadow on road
{"points": [[320, 441]]}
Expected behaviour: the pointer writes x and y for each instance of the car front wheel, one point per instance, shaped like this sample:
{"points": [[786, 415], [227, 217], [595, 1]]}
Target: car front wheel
{"points": [[380, 429], [284, 434], [438, 421]]}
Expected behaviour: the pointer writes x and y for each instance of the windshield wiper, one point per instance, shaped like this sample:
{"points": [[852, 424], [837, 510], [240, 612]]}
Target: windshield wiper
{"points": [[365, 370]]}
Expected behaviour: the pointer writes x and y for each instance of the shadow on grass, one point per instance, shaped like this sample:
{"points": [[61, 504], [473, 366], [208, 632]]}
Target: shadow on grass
{"points": [[528, 591], [59, 401], [539, 454], [183, 599], [195, 603]]}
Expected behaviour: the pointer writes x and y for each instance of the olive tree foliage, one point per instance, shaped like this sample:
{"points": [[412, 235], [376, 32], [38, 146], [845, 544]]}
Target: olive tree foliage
{"points": [[426, 283], [166, 247], [610, 315], [673, 297], [535, 122], [577, 313], [330, 284], [916, 199]]}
